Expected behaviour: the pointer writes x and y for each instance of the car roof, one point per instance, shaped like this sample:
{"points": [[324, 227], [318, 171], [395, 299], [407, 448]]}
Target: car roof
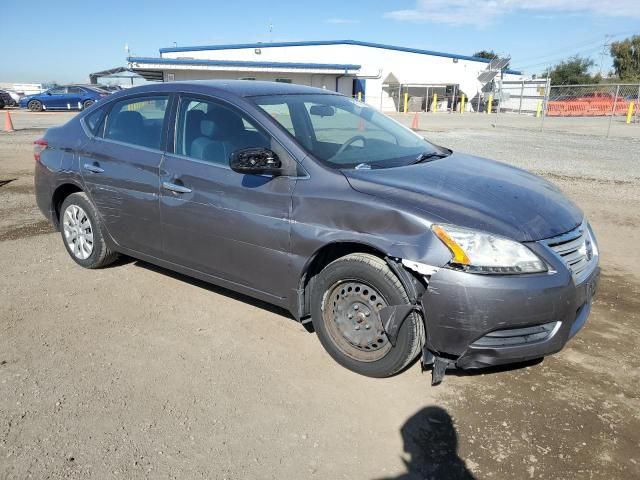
{"points": [[241, 88]]}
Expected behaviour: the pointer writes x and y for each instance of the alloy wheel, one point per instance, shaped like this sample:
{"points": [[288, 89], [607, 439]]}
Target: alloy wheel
{"points": [[78, 232]]}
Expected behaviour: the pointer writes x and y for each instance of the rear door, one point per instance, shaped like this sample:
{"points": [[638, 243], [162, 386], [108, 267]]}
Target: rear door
{"points": [[216, 221], [120, 168], [75, 97]]}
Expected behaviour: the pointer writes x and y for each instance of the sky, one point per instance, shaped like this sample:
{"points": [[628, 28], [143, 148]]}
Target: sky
{"points": [[65, 40]]}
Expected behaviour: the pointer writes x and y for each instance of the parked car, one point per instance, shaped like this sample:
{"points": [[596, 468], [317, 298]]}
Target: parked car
{"points": [[111, 88], [15, 96], [6, 99], [386, 243], [72, 97]]}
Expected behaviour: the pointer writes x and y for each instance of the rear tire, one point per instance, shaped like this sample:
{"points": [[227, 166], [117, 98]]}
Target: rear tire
{"points": [[81, 231], [35, 105], [345, 300]]}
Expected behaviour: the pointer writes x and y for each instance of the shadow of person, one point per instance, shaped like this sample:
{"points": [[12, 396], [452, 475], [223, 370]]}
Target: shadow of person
{"points": [[431, 442]]}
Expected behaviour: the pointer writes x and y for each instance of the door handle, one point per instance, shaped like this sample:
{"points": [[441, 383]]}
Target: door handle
{"points": [[175, 188], [93, 168]]}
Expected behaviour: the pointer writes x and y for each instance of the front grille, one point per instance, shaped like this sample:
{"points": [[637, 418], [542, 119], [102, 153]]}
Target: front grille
{"points": [[516, 336], [576, 250]]}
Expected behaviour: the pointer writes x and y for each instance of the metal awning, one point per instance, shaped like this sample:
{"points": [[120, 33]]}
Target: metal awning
{"points": [[153, 68]]}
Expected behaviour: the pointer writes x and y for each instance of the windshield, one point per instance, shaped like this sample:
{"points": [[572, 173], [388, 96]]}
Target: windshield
{"points": [[344, 133]]}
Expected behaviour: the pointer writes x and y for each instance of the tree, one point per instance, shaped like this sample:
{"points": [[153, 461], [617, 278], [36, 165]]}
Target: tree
{"points": [[573, 71], [488, 54], [626, 58]]}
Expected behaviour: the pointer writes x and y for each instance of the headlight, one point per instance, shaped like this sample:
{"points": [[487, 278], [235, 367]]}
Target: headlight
{"points": [[480, 252]]}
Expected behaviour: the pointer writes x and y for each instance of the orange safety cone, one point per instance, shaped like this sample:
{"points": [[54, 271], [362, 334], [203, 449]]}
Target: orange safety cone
{"points": [[415, 123], [8, 124]]}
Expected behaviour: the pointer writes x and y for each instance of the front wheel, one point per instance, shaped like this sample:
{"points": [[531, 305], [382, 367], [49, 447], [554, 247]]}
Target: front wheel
{"points": [[87, 104], [346, 299], [35, 105]]}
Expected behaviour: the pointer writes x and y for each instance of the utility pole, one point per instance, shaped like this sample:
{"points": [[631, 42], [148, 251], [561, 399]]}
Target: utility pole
{"points": [[270, 31], [605, 45]]}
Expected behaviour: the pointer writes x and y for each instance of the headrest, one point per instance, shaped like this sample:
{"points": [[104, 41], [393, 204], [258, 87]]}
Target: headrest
{"points": [[221, 123], [129, 120]]}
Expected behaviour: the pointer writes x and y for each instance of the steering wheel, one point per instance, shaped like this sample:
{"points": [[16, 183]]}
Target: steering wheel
{"points": [[346, 144]]}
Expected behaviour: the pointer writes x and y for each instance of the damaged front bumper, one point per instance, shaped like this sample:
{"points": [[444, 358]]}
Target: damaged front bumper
{"points": [[476, 321]]}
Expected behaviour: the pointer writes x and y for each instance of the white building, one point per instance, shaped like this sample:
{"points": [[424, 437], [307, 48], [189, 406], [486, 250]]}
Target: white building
{"points": [[381, 74]]}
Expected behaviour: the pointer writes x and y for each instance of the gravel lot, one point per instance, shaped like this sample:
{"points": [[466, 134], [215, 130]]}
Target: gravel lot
{"points": [[136, 372]]}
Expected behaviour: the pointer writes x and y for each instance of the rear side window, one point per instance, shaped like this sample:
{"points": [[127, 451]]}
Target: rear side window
{"points": [[93, 121], [138, 121]]}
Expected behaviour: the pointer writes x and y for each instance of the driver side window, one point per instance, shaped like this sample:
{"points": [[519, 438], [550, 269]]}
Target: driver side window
{"points": [[209, 131], [58, 91]]}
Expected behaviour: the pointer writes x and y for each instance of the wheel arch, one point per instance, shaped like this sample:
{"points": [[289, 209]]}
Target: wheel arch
{"points": [[322, 257], [59, 195]]}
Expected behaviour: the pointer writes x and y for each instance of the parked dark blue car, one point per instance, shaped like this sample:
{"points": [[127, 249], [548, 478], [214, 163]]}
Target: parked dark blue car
{"points": [[72, 97]]}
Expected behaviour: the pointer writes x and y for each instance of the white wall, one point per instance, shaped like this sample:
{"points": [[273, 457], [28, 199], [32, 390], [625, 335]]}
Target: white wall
{"points": [[407, 67], [313, 80]]}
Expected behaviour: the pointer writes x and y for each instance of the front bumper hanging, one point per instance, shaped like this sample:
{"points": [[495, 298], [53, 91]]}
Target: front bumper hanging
{"points": [[475, 321]]}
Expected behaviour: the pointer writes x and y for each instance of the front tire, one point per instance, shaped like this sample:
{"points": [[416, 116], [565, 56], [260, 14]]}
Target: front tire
{"points": [[81, 232], [35, 105], [87, 104], [347, 295]]}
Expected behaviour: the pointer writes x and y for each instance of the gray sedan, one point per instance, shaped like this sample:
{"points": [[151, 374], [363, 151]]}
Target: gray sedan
{"points": [[390, 247]]}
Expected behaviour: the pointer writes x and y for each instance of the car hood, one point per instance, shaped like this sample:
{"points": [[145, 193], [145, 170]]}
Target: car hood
{"points": [[476, 193]]}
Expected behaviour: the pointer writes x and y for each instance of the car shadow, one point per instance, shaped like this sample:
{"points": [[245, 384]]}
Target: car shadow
{"points": [[430, 441], [207, 286]]}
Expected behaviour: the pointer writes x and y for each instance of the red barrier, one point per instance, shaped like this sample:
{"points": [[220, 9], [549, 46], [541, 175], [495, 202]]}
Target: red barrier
{"points": [[586, 107]]}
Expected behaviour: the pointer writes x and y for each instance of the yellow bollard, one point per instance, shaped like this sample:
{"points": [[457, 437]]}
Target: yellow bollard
{"points": [[490, 104], [629, 112], [539, 109], [434, 103], [462, 103], [406, 102], [359, 96]]}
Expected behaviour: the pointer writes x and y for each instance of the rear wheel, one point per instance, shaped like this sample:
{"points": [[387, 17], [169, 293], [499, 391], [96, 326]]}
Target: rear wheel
{"points": [[81, 232], [35, 105], [346, 299], [87, 104]]}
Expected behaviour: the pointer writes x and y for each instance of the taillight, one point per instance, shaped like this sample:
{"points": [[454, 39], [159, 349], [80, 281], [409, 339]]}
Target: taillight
{"points": [[38, 146]]}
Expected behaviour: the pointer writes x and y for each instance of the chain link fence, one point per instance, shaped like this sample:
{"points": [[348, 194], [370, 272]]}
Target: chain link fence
{"points": [[606, 109]]}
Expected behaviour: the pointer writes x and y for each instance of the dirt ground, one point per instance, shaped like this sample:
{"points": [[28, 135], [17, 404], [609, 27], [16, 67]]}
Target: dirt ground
{"points": [[137, 372]]}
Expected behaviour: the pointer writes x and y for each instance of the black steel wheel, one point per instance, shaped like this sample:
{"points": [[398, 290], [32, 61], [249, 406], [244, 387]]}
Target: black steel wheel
{"points": [[345, 303]]}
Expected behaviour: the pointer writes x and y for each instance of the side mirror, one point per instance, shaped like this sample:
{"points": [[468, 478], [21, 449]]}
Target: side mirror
{"points": [[256, 161]]}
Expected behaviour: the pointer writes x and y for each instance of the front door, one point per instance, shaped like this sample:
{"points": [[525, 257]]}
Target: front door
{"points": [[56, 98], [121, 168], [216, 221]]}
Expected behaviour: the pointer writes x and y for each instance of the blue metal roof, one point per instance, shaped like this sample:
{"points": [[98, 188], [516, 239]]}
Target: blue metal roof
{"points": [[328, 42], [243, 63]]}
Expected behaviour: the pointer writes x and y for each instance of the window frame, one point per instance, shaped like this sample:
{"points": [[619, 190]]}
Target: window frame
{"points": [[104, 109], [172, 130], [146, 95], [65, 90]]}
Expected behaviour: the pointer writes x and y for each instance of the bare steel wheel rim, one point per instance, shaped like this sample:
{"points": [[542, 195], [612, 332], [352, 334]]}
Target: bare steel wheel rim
{"points": [[351, 315], [78, 232]]}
